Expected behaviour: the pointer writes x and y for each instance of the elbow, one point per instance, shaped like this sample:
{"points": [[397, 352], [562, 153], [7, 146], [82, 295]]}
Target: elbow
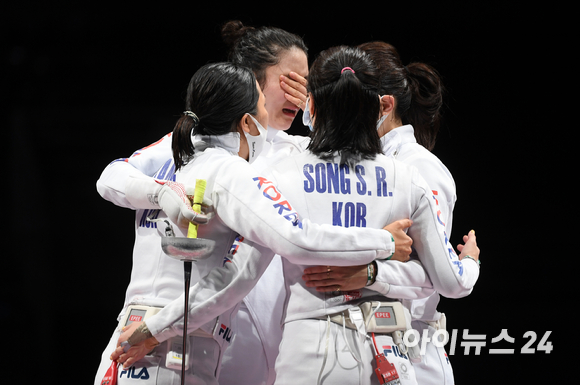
{"points": [[101, 188], [454, 291], [457, 286]]}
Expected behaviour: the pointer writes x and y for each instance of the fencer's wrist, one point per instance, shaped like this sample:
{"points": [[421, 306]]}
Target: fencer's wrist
{"points": [[394, 246], [384, 255], [371, 273], [475, 260], [140, 334], [388, 251]]}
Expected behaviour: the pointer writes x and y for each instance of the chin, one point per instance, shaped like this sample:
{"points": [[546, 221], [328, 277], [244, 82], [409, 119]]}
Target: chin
{"points": [[282, 126]]}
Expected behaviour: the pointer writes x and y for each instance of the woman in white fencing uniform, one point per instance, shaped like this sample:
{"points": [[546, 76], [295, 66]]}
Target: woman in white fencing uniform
{"points": [[413, 98], [279, 60], [216, 142], [345, 180]]}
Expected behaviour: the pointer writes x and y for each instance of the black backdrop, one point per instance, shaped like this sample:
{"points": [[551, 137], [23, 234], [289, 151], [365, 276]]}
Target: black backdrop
{"points": [[85, 84]]}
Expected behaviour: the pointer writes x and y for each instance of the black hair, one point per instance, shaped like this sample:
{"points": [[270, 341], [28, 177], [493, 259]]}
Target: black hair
{"points": [[258, 48], [417, 88], [346, 105], [218, 95]]}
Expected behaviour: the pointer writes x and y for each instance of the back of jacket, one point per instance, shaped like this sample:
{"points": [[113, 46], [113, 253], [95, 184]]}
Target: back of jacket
{"points": [[371, 194]]}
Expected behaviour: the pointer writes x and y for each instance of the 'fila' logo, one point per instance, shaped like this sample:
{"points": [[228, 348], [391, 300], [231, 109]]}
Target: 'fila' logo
{"points": [[393, 350], [226, 331], [142, 375]]}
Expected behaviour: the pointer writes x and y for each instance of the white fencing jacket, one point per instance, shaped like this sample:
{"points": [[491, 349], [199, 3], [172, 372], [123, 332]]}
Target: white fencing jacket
{"points": [[401, 144], [372, 194], [265, 300], [249, 205], [154, 160]]}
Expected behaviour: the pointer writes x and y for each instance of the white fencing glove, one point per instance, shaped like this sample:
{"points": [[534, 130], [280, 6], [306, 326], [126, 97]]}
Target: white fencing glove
{"points": [[171, 197]]}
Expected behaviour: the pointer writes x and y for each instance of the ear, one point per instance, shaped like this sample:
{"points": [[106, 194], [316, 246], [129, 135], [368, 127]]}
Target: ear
{"points": [[387, 104], [244, 124]]}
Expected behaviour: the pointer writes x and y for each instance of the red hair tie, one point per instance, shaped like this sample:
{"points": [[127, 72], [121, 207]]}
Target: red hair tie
{"points": [[346, 68]]}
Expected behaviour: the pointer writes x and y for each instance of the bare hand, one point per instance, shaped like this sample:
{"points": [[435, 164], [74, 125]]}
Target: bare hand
{"points": [[402, 241], [470, 247], [328, 278], [294, 87], [135, 352]]}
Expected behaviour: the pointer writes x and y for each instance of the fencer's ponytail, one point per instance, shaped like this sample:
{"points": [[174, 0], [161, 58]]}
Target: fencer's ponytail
{"points": [[343, 82], [233, 31], [218, 96], [427, 99], [181, 143]]}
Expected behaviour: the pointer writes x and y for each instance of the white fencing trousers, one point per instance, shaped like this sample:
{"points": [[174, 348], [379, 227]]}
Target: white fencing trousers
{"points": [[434, 368], [244, 360], [322, 352], [152, 370]]}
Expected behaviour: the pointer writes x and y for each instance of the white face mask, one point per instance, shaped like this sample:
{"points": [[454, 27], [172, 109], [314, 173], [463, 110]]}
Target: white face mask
{"points": [[382, 118], [256, 143], [306, 119]]}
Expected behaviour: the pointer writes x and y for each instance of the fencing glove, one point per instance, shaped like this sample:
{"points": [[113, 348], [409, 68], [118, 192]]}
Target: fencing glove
{"points": [[171, 197]]}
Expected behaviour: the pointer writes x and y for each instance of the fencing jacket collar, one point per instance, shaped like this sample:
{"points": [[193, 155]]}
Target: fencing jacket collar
{"points": [[229, 142], [272, 132], [394, 139]]}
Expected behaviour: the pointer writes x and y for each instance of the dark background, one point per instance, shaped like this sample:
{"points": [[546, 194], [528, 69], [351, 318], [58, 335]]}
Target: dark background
{"points": [[85, 84]]}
